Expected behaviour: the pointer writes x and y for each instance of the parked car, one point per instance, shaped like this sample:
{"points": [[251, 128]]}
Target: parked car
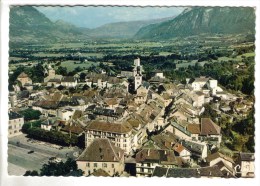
{"points": [[30, 152]]}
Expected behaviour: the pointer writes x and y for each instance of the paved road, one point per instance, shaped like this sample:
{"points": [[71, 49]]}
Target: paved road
{"points": [[19, 158]]}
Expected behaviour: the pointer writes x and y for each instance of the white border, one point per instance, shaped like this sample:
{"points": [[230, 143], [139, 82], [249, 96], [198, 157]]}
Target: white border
{"points": [[6, 180]]}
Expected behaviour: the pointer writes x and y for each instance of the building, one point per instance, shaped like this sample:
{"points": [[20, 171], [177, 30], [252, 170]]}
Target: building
{"points": [[210, 132], [148, 159], [24, 79], [137, 73], [119, 134], [202, 172], [101, 154], [217, 157], [159, 74], [15, 124], [247, 165], [65, 114], [69, 81], [52, 79]]}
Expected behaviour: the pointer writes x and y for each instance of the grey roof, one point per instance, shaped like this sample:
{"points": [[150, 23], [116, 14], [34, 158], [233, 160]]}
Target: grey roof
{"points": [[247, 156], [68, 79], [213, 171], [192, 146]]}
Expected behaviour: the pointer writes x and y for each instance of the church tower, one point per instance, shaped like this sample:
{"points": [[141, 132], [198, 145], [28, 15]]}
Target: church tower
{"points": [[137, 72]]}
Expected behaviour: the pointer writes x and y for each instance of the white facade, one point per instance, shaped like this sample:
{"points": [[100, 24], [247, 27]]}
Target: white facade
{"points": [[15, 126], [69, 84], [65, 114], [110, 167], [123, 140]]}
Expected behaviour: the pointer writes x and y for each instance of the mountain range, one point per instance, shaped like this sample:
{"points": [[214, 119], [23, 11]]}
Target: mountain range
{"points": [[199, 20], [27, 24]]}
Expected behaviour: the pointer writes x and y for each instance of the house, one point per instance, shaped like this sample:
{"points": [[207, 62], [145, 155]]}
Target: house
{"points": [[47, 124], [217, 157], [246, 162], [159, 74], [46, 107], [210, 132], [119, 134], [141, 95], [181, 151], [53, 79], [69, 81], [24, 79], [65, 113], [197, 149], [101, 154], [148, 159], [198, 83], [15, 124], [206, 85], [73, 127]]}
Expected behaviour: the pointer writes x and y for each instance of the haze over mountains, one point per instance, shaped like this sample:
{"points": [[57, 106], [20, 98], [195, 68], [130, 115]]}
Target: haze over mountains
{"points": [[28, 24]]}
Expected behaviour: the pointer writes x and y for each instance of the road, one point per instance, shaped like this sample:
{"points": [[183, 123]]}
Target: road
{"points": [[19, 160]]}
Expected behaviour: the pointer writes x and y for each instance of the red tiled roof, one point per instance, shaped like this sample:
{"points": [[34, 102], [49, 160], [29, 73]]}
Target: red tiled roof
{"points": [[208, 127]]}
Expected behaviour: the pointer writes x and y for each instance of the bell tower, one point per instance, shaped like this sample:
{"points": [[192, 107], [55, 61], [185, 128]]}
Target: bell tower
{"points": [[137, 72]]}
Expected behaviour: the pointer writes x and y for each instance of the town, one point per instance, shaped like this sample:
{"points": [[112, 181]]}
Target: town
{"points": [[141, 96], [128, 125]]}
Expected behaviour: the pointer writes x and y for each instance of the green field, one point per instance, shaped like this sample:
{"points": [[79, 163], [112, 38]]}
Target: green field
{"points": [[71, 66]]}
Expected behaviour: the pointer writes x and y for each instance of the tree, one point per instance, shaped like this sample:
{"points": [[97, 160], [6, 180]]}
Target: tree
{"points": [[30, 114], [62, 71], [31, 173], [61, 169]]}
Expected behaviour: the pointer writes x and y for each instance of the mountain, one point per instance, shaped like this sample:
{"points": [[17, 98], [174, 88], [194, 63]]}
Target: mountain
{"points": [[28, 24], [122, 29], [199, 20]]}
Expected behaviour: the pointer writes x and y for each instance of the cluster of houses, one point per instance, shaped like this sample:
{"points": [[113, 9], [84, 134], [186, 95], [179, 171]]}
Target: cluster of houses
{"points": [[155, 131]]}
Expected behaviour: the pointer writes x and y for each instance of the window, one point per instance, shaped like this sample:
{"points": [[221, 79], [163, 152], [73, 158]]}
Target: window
{"points": [[10, 127], [112, 165], [105, 165], [88, 165], [95, 164]]}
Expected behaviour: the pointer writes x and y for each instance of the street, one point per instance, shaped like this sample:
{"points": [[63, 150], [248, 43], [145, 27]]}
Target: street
{"points": [[19, 160]]}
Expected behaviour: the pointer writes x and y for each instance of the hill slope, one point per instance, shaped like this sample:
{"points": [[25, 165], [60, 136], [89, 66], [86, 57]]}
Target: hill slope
{"points": [[28, 24], [222, 20], [122, 29]]}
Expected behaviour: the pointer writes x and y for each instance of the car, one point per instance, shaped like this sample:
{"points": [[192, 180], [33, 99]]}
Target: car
{"points": [[30, 152]]}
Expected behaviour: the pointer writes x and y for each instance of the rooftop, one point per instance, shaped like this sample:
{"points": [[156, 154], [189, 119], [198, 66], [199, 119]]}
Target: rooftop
{"points": [[208, 127], [101, 150], [109, 127]]}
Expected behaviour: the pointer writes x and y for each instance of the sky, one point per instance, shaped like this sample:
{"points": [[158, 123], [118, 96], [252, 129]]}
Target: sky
{"points": [[92, 17]]}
